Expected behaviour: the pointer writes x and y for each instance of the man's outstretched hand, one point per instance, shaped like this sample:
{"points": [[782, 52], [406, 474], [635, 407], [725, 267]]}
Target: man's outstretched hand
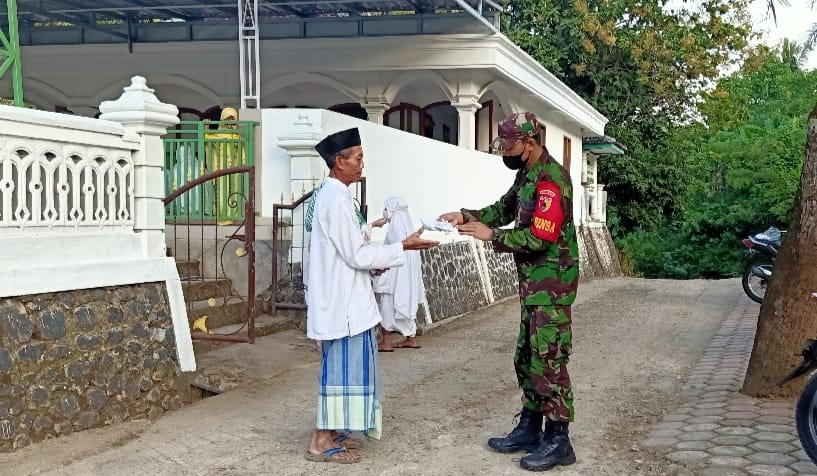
{"points": [[414, 242], [477, 230], [455, 218]]}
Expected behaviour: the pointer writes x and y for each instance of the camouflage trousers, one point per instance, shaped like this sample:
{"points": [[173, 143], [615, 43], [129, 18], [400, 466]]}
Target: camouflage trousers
{"points": [[542, 352]]}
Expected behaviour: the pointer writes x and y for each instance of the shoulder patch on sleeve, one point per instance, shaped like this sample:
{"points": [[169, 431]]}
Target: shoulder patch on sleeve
{"points": [[548, 214]]}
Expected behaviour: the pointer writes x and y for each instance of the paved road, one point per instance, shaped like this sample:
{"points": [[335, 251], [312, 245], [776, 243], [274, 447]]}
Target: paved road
{"points": [[635, 343]]}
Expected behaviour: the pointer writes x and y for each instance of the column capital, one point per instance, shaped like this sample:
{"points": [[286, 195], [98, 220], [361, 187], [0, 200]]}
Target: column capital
{"points": [[375, 106], [302, 136], [466, 103], [139, 110]]}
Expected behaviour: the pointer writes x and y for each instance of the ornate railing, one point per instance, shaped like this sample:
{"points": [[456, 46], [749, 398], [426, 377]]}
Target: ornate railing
{"points": [[196, 148], [47, 183]]}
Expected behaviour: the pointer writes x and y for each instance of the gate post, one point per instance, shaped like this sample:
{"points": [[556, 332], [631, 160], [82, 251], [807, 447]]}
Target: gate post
{"points": [[147, 118]]}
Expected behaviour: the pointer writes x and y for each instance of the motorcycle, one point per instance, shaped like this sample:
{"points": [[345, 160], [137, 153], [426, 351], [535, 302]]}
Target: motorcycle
{"points": [[805, 415], [762, 249]]}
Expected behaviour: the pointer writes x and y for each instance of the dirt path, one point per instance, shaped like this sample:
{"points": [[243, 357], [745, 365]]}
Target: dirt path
{"points": [[634, 343]]}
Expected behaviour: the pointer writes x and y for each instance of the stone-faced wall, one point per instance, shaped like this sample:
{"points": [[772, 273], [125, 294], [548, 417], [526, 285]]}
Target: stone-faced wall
{"points": [[598, 257], [75, 360], [452, 280], [501, 272]]}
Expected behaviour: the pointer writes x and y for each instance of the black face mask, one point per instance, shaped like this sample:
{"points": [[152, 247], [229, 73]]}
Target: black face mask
{"points": [[513, 162]]}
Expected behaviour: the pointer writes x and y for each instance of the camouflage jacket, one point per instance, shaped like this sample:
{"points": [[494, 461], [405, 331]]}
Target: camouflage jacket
{"points": [[548, 271]]}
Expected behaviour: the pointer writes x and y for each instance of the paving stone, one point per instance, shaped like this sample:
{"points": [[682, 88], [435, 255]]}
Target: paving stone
{"points": [[775, 404], [804, 467], [743, 407], [722, 471], [688, 456], [677, 417], [730, 450], [696, 435], [704, 419], [768, 470], [658, 443], [735, 430], [728, 387], [711, 405], [773, 447], [730, 440], [701, 427], [664, 433], [708, 411], [737, 422], [773, 436], [697, 445], [671, 425], [776, 428], [776, 420], [740, 415], [771, 459], [729, 461], [799, 454], [789, 412]]}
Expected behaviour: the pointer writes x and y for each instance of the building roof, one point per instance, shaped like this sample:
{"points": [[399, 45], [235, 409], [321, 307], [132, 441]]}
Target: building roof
{"points": [[602, 145], [110, 12]]}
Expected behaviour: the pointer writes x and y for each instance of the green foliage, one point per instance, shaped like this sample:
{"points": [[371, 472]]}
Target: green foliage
{"points": [[748, 163], [642, 66]]}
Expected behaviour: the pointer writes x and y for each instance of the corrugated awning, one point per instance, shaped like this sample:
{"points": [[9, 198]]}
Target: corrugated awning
{"points": [[100, 12]]}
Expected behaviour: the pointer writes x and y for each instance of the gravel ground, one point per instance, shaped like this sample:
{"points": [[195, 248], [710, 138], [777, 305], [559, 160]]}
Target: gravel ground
{"points": [[635, 342]]}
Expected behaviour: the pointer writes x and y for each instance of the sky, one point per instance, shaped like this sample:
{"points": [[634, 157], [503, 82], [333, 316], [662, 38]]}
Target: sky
{"points": [[792, 22]]}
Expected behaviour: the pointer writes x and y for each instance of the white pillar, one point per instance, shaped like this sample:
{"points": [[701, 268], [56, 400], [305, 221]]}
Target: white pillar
{"points": [[299, 142], [147, 119], [307, 168], [375, 108], [466, 107]]}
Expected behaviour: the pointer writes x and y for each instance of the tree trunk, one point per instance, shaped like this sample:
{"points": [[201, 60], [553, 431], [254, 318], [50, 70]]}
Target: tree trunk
{"points": [[788, 316]]}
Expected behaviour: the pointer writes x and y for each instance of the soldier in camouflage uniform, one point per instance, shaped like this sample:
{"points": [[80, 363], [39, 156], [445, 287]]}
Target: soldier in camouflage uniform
{"points": [[544, 246]]}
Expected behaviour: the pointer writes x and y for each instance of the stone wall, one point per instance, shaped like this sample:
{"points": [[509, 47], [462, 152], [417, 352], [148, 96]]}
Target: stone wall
{"points": [[598, 257], [75, 360], [501, 272], [452, 280]]}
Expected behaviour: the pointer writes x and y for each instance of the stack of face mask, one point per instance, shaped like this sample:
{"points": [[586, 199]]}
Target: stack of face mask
{"points": [[433, 224]]}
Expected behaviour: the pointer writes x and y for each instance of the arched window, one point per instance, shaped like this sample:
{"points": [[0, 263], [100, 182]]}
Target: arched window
{"points": [[484, 126], [437, 120], [352, 109]]}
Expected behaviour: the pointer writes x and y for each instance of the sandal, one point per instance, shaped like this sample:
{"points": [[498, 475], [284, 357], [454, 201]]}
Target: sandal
{"points": [[348, 442], [402, 345], [332, 456]]}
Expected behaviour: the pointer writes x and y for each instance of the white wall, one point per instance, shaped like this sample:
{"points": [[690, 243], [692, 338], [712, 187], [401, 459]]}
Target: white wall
{"points": [[433, 177]]}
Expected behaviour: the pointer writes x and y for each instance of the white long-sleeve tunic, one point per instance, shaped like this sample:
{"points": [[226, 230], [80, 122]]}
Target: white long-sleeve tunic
{"points": [[340, 299]]}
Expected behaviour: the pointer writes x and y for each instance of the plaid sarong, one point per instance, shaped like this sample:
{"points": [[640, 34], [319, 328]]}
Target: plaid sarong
{"points": [[349, 385]]}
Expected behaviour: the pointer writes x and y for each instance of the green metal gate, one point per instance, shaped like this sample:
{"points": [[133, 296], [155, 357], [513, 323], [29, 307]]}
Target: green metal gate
{"points": [[196, 148]]}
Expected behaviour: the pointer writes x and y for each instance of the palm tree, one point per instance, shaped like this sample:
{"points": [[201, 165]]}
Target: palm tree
{"points": [[811, 36]]}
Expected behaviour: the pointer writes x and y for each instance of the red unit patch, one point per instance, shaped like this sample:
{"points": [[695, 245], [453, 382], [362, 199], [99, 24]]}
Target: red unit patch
{"points": [[548, 215]]}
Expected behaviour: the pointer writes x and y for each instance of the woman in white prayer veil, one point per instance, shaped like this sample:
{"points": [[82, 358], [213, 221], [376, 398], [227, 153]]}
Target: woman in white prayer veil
{"points": [[399, 290]]}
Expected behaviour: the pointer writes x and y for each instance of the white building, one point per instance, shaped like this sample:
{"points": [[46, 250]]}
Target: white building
{"points": [[427, 81]]}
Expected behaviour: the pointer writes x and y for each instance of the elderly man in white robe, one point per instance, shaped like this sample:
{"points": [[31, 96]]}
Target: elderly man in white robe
{"points": [[342, 313]]}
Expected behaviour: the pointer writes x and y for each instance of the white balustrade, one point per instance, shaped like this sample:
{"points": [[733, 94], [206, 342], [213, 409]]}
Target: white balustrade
{"points": [[60, 171]]}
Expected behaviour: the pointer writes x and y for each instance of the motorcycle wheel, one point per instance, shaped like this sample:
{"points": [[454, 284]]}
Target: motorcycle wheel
{"points": [[754, 285], [805, 419]]}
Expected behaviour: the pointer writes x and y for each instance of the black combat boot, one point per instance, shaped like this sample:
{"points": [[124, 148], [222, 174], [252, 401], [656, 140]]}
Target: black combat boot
{"points": [[554, 449], [525, 436]]}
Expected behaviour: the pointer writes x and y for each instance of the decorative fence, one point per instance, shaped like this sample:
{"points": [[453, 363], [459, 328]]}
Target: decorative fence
{"points": [[80, 180], [195, 149], [290, 244]]}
